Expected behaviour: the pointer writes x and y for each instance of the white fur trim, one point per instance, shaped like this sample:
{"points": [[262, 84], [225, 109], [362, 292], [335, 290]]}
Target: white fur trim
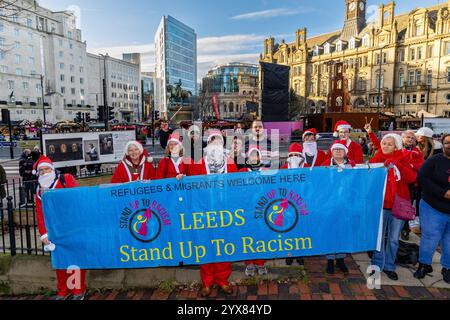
{"points": [[45, 236], [150, 159], [45, 164], [339, 146], [344, 126], [175, 140], [134, 143]]}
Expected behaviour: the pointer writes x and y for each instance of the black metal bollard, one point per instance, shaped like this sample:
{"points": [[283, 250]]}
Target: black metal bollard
{"points": [[12, 233]]}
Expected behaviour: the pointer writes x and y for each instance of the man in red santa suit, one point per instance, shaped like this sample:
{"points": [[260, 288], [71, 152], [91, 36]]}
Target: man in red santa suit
{"points": [[342, 131], [313, 156], [49, 179], [173, 165], [137, 165], [255, 164], [214, 161]]}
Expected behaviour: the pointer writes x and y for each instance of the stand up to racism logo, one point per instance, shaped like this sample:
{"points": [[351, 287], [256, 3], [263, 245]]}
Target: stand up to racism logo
{"points": [[144, 220], [281, 210]]}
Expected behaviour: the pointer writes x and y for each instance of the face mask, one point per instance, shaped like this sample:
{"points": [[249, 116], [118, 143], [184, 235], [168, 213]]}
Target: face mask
{"points": [[310, 148], [295, 162], [175, 153], [215, 155], [47, 180]]}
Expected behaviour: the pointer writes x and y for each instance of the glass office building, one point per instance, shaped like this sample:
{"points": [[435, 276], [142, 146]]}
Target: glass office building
{"points": [[176, 59], [230, 77]]}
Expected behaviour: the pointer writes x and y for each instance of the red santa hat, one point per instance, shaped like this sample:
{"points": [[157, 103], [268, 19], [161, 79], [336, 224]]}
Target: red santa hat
{"points": [[214, 133], [339, 145], [309, 131], [295, 148], [141, 148], [174, 137], [341, 125], [43, 161]]}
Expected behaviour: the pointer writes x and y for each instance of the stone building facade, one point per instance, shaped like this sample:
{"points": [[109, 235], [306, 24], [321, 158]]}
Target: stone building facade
{"points": [[400, 63]]}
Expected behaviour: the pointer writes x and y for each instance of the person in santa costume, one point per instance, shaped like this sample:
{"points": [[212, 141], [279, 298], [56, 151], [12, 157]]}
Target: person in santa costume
{"points": [[313, 156], [50, 179], [255, 164], [173, 165], [400, 174], [296, 160], [214, 161], [136, 165], [339, 158], [342, 131]]}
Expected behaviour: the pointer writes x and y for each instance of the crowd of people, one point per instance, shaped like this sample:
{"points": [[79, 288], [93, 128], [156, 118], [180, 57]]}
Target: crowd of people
{"points": [[418, 173]]}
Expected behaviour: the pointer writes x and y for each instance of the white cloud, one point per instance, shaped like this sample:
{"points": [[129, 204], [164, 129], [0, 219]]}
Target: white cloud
{"points": [[268, 14]]}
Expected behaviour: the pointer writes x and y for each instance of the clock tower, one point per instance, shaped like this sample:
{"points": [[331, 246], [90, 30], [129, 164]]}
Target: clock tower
{"points": [[355, 18]]}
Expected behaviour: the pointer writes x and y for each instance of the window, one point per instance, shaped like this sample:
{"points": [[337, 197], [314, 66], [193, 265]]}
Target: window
{"points": [[16, 32], [422, 98], [420, 53], [418, 77], [72, 79], [402, 55], [408, 99], [2, 42], [401, 78], [10, 84], [366, 61], [31, 50], [418, 28], [61, 66], [380, 81], [73, 90], [26, 85], [29, 23], [413, 54], [17, 45], [82, 92], [366, 41], [15, 18], [31, 61], [411, 78], [61, 54], [447, 48], [401, 99], [4, 69], [448, 74], [19, 71], [377, 58], [385, 57], [414, 98], [81, 69], [62, 77], [430, 51], [72, 68], [60, 42], [429, 77], [2, 27], [63, 90], [38, 88], [18, 58], [81, 81], [30, 36]]}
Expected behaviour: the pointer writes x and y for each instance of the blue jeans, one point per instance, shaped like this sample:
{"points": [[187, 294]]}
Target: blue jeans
{"points": [[336, 256], [385, 259], [435, 228]]}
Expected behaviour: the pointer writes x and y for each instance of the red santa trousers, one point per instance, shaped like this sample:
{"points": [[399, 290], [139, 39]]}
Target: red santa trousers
{"points": [[215, 273], [63, 276]]}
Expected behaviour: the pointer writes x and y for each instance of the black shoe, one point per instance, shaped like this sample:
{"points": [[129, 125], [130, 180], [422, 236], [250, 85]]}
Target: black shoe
{"points": [[423, 270], [405, 235], [289, 262], [340, 263], [391, 275], [330, 267], [446, 274], [300, 261]]}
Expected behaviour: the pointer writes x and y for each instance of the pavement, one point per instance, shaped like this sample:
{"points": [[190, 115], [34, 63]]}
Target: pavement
{"points": [[314, 285]]}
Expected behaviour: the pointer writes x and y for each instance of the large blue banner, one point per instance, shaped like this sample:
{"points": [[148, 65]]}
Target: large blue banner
{"points": [[219, 218]]}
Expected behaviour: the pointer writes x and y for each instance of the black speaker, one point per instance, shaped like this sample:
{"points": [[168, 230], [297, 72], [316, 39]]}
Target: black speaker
{"points": [[275, 92], [5, 116]]}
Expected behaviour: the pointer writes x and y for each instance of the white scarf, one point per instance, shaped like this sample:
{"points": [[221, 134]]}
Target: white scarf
{"points": [[47, 180], [215, 159], [310, 148], [296, 162]]}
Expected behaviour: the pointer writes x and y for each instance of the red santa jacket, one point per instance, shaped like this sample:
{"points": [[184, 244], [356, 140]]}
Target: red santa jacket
{"points": [[168, 168], [416, 157], [199, 169], [123, 174], [355, 152], [407, 175], [321, 158], [70, 182]]}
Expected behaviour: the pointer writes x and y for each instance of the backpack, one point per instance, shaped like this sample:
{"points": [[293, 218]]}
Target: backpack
{"points": [[62, 179], [408, 254]]}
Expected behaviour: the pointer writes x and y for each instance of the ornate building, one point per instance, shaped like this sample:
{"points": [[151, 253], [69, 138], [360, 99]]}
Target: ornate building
{"points": [[234, 85], [400, 64]]}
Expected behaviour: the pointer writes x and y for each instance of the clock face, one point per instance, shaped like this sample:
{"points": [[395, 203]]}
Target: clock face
{"points": [[361, 6], [351, 7]]}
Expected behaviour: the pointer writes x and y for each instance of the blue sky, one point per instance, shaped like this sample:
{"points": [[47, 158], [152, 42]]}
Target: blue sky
{"points": [[227, 31]]}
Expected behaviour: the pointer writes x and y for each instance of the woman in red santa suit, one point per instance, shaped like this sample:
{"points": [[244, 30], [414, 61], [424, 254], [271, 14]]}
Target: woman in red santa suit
{"points": [[339, 158], [173, 165], [254, 164], [313, 156], [296, 160], [136, 165], [49, 179], [214, 161], [342, 131]]}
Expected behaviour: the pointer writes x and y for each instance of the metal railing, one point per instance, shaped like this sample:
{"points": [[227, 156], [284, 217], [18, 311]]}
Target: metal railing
{"points": [[19, 232]]}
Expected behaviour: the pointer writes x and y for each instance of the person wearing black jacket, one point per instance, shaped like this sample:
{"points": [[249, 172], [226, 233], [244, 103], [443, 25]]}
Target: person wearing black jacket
{"points": [[26, 164], [164, 134], [434, 178]]}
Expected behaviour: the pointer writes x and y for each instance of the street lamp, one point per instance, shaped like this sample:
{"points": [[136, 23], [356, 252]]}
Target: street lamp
{"points": [[105, 95], [379, 78]]}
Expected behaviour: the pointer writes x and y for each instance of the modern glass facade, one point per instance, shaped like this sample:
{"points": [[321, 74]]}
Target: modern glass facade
{"points": [[176, 59], [228, 78]]}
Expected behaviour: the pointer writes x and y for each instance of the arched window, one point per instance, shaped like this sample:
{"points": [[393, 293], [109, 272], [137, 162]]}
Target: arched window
{"points": [[231, 107]]}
